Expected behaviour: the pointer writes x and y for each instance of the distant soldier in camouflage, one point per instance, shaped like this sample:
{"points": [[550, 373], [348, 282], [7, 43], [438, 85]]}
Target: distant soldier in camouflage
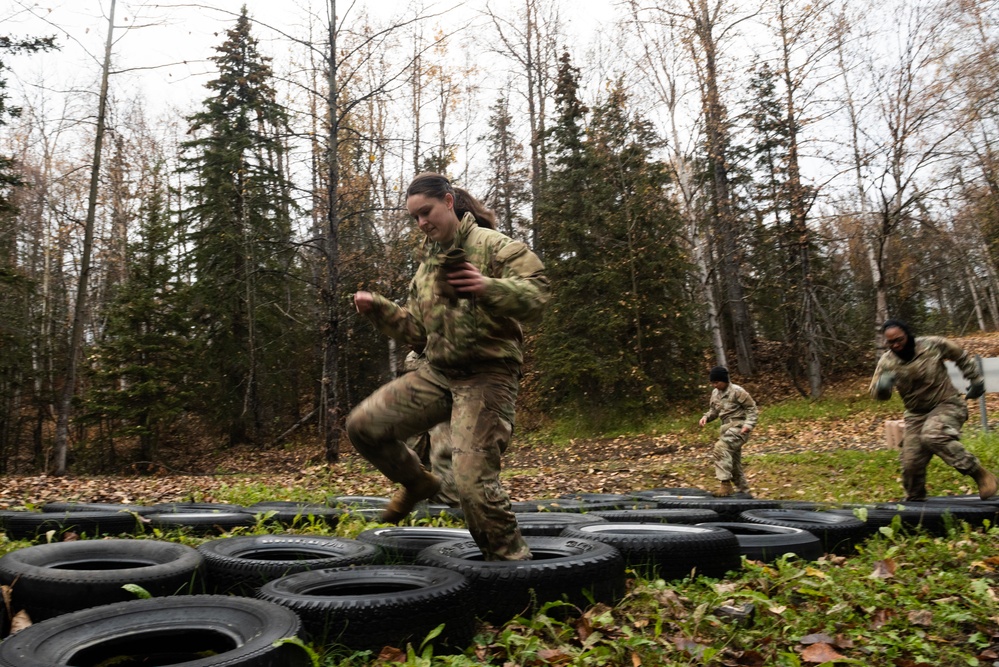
{"points": [[471, 292], [935, 410], [737, 411]]}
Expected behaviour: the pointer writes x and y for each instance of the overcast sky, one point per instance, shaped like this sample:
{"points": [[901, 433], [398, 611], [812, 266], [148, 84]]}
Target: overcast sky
{"points": [[162, 47]]}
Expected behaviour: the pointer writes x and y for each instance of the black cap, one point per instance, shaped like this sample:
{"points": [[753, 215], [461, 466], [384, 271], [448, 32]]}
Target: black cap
{"points": [[718, 374]]}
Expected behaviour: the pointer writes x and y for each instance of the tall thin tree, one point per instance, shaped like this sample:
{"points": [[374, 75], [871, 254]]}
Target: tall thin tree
{"points": [[64, 407]]}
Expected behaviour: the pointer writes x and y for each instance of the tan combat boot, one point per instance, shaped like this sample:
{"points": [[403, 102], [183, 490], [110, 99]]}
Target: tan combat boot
{"points": [[403, 502], [724, 490], [986, 482]]}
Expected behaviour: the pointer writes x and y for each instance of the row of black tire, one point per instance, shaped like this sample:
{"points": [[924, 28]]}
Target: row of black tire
{"points": [[393, 585]]}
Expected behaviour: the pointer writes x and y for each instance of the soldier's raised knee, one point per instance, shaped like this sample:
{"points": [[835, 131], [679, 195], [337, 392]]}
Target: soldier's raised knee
{"points": [[358, 424]]}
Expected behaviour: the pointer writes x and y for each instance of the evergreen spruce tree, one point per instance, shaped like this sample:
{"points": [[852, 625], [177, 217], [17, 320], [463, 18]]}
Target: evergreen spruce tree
{"points": [[509, 182], [138, 372], [791, 272], [621, 331], [772, 245], [16, 288], [243, 294]]}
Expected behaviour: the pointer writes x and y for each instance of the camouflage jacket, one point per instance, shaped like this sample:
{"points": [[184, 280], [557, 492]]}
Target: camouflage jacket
{"points": [[923, 382], [463, 333], [733, 404]]}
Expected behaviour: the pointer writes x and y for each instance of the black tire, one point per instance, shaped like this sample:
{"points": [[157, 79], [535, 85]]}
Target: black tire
{"points": [[657, 550], [599, 497], [810, 505], [196, 508], [438, 510], [371, 606], [562, 569], [96, 507], [767, 543], [551, 524], [728, 508], [963, 500], [401, 544], [33, 525], [972, 509], [548, 505], [911, 516], [366, 513], [687, 516], [234, 632], [875, 518], [201, 523], [683, 491], [837, 532], [936, 518], [241, 565], [633, 504], [52, 579], [290, 513], [351, 502]]}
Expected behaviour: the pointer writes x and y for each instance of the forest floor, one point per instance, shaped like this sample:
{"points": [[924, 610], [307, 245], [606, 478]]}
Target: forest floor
{"points": [[531, 470]]}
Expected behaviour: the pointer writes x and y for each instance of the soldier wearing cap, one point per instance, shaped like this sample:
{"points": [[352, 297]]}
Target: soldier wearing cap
{"points": [[738, 414]]}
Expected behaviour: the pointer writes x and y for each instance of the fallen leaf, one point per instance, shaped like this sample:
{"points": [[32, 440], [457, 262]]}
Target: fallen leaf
{"points": [[819, 653], [883, 569], [554, 656], [880, 618], [20, 621], [921, 617], [689, 646]]}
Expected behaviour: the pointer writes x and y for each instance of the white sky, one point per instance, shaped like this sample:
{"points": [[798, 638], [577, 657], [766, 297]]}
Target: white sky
{"points": [[162, 47]]}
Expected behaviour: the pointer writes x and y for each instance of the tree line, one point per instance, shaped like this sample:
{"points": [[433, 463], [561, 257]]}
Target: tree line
{"points": [[712, 181]]}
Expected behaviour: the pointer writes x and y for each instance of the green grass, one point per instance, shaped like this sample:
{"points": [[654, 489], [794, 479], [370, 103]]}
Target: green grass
{"points": [[560, 430], [904, 599]]}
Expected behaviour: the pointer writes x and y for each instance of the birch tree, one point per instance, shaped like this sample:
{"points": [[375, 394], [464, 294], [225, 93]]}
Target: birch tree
{"points": [[704, 27], [531, 41], [64, 407]]}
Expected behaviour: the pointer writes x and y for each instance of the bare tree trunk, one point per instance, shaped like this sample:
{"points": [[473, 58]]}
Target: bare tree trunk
{"points": [[417, 101], [717, 140], [660, 60], [974, 298], [798, 210], [875, 249], [79, 312], [331, 412], [531, 50]]}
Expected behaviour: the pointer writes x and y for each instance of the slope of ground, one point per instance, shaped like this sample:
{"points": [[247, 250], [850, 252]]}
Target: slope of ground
{"points": [[530, 471]]}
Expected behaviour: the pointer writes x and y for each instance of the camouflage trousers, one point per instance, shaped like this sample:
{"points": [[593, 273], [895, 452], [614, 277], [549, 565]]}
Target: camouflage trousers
{"points": [[435, 452], [480, 408], [727, 455], [935, 432]]}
